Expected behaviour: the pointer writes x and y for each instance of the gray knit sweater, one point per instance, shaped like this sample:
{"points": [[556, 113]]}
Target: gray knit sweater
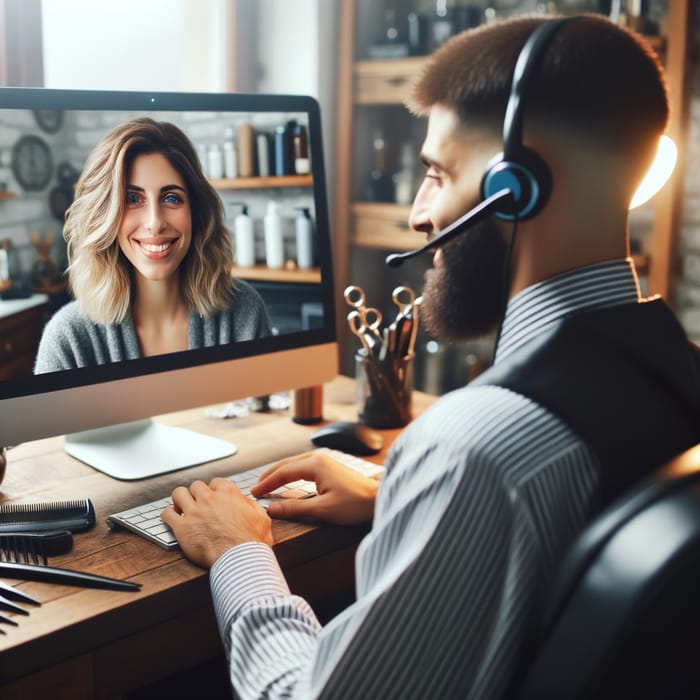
{"points": [[70, 340]]}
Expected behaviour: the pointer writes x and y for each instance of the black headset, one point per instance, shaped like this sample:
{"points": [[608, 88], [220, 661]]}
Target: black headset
{"points": [[517, 183]]}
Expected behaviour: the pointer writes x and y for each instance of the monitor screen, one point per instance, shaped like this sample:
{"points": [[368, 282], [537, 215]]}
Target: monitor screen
{"points": [[120, 210]]}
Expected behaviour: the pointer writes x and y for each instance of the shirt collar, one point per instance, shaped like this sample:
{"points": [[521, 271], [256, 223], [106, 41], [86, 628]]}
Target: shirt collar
{"points": [[537, 307]]}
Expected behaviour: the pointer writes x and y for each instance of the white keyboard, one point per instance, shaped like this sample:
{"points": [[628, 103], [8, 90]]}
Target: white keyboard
{"points": [[145, 519]]}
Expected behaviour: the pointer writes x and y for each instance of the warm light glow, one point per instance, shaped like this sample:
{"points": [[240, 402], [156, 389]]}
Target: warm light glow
{"points": [[658, 173]]}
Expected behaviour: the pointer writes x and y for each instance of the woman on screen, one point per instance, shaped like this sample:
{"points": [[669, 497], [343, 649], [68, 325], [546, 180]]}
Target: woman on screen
{"points": [[149, 257]]}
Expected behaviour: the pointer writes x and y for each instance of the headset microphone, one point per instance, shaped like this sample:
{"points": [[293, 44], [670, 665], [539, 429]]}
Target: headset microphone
{"points": [[473, 216]]}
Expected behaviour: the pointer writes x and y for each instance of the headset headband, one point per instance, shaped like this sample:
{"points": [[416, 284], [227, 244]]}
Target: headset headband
{"points": [[525, 66]]}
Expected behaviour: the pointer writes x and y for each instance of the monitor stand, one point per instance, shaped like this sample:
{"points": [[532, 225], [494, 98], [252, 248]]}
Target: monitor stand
{"points": [[144, 448]]}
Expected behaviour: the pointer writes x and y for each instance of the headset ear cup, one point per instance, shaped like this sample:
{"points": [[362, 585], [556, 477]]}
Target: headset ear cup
{"points": [[527, 177]]}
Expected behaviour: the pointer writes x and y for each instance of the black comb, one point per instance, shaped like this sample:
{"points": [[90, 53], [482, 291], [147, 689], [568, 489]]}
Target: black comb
{"points": [[34, 547], [76, 516]]}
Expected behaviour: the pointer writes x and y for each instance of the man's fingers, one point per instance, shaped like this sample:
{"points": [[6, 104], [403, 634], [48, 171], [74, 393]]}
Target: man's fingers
{"points": [[199, 489], [181, 497], [170, 515], [218, 483], [284, 462], [284, 473], [290, 508]]}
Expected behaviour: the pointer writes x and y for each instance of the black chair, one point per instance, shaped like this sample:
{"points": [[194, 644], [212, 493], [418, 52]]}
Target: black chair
{"points": [[623, 619]]}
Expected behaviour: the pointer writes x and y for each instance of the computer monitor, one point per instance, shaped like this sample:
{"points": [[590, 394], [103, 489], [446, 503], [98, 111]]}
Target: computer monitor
{"points": [[104, 409]]}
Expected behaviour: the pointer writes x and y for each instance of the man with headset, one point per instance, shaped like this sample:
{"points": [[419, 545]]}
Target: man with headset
{"points": [[483, 493]]}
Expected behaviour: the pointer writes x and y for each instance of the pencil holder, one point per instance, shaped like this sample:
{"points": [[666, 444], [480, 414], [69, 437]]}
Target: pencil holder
{"points": [[384, 389]]}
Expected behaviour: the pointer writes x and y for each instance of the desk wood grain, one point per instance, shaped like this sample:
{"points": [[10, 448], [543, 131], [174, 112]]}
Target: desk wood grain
{"points": [[111, 638]]}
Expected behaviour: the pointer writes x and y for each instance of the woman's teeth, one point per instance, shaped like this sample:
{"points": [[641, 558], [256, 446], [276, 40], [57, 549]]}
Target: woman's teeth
{"points": [[151, 248]]}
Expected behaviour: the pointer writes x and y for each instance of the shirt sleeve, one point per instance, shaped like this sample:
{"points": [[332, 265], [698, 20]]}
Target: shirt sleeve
{"points": [[270, 635]]}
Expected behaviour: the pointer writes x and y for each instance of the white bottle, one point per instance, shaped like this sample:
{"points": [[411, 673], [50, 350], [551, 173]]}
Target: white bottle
{"points": [[230, 157], [274, 245], [215, 164], [244, 239], [305, 235]]}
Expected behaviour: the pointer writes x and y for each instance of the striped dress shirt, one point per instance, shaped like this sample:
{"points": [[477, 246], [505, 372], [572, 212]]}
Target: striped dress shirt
{"points": [[481, 495]]}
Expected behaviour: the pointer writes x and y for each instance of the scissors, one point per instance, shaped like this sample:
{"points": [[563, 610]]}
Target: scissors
{"points": [[405, 299], [369, 337], [370, 319], [405, 324], [414, 328], [407, 330]]}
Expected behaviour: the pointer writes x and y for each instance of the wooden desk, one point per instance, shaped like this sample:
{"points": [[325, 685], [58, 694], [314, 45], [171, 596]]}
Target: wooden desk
{"points": [[85, 643]]}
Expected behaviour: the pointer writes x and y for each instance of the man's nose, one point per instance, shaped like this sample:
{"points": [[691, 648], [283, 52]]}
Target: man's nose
{"points": [[419, 218]]}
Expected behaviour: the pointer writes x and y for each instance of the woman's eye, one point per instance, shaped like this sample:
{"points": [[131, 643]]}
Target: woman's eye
{"points": [[132, 198], [172, 198]]}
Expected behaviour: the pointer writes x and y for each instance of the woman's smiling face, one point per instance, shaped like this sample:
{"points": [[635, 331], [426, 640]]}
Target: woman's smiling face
{"points": [[156, 229]]}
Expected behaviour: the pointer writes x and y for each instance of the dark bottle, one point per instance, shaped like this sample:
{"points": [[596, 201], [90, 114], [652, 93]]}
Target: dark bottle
{"points": [[284, 149], [392, 42], [380, 185], [417, 34], [467, 17], [302, 164]]}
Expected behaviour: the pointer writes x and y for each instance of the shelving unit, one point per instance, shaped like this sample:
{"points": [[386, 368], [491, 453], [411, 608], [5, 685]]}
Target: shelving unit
{"points": [[254, 183], [262, 273], [371, 89]]}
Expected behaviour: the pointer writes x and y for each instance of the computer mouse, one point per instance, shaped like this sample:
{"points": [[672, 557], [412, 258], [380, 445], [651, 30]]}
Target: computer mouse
{"points": [[355, 438]]}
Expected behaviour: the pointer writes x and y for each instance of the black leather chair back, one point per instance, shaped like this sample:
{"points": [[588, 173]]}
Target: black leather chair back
{"points": [[623, 619]]}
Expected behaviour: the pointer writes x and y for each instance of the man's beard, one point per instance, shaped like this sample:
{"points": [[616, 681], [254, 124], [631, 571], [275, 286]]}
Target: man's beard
{"points": [[463, 298]]}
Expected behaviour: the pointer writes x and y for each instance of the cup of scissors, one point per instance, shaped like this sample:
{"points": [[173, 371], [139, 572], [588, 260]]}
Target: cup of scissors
{"points": [[384, 362]]}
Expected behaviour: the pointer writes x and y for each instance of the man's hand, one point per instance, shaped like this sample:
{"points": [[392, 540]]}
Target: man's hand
{"points": [[210, 519], [345, 496]]}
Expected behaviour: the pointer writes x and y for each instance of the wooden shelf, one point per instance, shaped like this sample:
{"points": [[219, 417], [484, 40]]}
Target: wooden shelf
{"points": [[7, 195], [262, 273], [385, 226], [250, 183], [386, 81]]}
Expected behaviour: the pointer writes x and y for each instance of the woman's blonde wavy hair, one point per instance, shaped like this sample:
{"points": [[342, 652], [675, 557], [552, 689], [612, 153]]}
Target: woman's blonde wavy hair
{"points": [[99, 273]]}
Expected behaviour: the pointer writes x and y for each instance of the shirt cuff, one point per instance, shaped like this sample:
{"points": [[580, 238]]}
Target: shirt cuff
{"points": [[242, 574]]}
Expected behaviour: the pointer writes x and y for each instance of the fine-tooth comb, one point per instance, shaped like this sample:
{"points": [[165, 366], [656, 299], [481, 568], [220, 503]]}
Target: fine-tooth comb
{"points": [[76, 516]]}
